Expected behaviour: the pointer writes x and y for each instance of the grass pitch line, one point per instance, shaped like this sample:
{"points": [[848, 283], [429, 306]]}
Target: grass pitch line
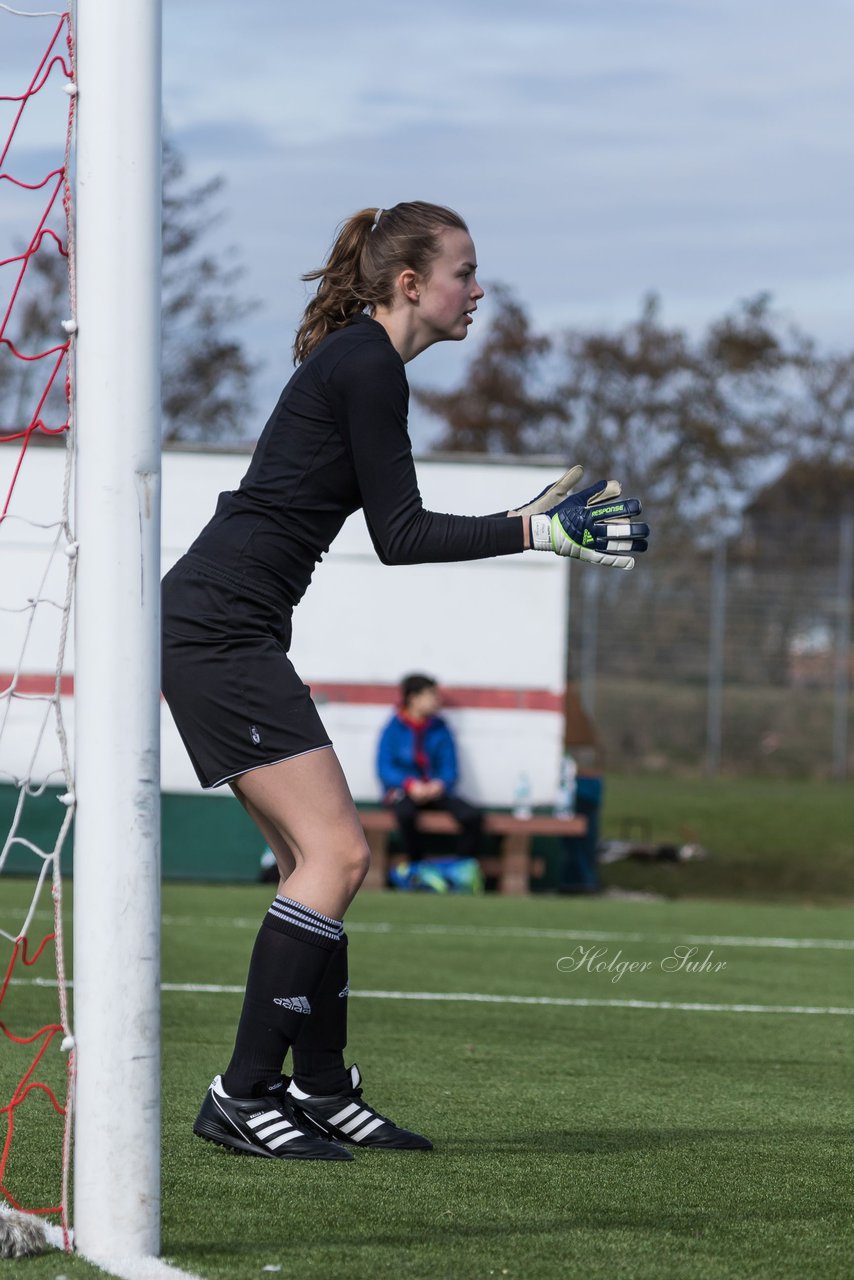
{"points": [[573, 935], [597, 935], [510, 931], [468, 997], [583, 1003]]}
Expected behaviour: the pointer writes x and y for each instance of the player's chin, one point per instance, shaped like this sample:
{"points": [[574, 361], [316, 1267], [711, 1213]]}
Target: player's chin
{"points": [[457, 331]]}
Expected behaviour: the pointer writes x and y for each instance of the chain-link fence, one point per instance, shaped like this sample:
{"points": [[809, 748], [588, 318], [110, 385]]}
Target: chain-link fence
{"points": [[736, 661]]}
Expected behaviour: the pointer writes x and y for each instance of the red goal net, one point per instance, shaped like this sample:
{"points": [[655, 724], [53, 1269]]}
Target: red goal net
{"points": [[37, 110]]}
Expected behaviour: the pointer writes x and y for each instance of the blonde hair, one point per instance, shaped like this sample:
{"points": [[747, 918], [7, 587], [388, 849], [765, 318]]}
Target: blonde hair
{"points": [[369, 253]]}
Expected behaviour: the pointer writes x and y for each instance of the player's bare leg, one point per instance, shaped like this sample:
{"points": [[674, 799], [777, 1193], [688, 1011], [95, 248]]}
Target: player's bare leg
{"points": [[306, 805], [280, 848]]}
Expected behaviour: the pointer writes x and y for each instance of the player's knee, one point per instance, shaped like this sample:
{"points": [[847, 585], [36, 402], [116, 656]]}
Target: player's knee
{"points": [[356, 860]]}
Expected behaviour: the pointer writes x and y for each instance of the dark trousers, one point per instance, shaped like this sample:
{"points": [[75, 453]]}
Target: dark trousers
{"points": [[467, 815]]}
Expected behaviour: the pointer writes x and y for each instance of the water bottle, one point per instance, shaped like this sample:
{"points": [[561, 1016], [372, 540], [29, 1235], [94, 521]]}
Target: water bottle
{"points": [[522, 797], [565, 798]]}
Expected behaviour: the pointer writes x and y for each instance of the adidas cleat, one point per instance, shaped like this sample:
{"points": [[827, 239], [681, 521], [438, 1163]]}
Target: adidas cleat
{"points": [[265, 1126], [345, 1117]]}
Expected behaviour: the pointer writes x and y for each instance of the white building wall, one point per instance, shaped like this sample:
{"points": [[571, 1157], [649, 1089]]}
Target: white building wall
{"points": [[492, 625]]}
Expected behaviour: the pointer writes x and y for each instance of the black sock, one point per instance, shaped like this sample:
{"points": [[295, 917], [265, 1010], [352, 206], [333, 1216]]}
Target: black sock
{"points": [[318, 1050], [291, 953]]}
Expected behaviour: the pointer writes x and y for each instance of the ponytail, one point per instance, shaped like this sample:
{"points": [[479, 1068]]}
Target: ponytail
{"points": [[369, 253]]}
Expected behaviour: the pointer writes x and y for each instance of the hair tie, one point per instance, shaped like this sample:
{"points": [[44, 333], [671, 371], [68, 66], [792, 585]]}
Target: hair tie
{"points": [[380, 213]]}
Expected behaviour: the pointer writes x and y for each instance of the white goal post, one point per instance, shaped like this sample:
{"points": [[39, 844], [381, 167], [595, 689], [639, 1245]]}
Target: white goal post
{"points": [[117, 526]]}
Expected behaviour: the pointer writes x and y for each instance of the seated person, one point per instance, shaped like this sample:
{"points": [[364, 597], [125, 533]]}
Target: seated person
{"points": [[417, 765]]}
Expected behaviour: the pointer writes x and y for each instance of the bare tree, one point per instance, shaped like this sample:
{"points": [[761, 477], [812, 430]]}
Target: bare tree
{"points": [[697, 424], [206, 374], [688, 421]]}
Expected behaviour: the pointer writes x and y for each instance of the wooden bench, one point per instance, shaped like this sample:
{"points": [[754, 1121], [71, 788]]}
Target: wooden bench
{"points": [[514, 865]]}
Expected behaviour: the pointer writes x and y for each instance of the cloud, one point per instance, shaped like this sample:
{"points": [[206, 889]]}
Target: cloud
{"points": [[598, 148]]}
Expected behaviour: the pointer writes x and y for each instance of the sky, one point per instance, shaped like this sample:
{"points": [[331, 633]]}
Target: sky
{"points": [[598, 149]]}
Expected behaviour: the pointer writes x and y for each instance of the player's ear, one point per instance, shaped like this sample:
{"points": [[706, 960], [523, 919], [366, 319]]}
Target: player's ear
{"points": [[409, 282]]}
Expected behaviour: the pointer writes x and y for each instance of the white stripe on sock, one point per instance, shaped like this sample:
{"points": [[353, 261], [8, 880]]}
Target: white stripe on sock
{"points": [[299, 923], [296, 917], [309, 911]]}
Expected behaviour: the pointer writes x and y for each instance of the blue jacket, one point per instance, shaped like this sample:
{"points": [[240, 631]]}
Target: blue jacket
{"points": [[408, 750]]}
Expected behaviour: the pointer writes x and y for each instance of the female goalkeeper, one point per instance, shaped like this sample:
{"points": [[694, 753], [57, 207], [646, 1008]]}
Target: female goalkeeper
{"points": [[396, 281]]}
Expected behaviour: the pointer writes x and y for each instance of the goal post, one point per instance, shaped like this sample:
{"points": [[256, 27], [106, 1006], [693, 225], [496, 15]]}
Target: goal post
{"points": [[116, 426]]}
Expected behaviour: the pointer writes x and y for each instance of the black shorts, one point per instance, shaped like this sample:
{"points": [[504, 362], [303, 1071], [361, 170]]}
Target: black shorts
{"points": [[231, 688]]}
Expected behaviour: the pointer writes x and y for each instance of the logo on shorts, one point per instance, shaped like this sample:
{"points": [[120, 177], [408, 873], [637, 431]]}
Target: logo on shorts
{"points": [[254, 733], [297, 1004], [342, 995]]}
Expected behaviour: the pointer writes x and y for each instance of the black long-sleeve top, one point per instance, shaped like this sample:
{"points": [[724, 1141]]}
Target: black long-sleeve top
{"points": [[337, 440]]}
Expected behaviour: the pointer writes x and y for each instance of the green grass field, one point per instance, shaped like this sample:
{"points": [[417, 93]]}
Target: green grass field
{"points": [[572, 1139], [768, 838]]}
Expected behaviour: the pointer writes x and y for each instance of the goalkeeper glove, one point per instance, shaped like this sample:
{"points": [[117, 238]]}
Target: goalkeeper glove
{"points": [[594, 525], [552, 494]]}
